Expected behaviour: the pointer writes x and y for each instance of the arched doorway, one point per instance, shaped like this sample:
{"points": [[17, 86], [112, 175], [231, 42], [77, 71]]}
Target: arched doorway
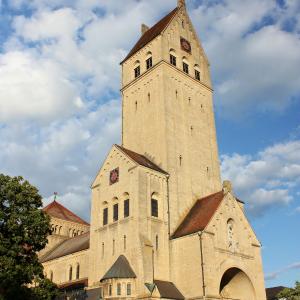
{"points": [[236, 285]]}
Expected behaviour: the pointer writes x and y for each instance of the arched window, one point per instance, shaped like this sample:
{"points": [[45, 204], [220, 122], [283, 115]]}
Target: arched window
{"points": [[137, 69], [110, 290], [119, 289], [77, 271], [116, 212], [173, 59], [59, 230], [185, 65], [154, 205], [70, 273], [128, 289], [230, 234], [105, 216], [126, 205], [149, 61], [51, 275], [197, 72]]}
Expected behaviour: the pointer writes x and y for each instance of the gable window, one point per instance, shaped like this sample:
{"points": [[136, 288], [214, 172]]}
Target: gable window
{"points": [[119, 289], [149, 63], [173, 60], [185, 68], [128, 289], [116, 212], [77, 271], [105, 216], [197, 75], [154, 208], [137, 71], [126, 208]]}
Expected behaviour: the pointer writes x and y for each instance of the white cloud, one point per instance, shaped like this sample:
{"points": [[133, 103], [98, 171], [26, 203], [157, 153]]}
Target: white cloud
{"points": [[267, 179], [276, 274]]}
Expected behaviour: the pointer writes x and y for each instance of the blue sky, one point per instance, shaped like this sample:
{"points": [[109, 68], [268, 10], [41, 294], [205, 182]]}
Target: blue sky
{"points": [[60, 103]]}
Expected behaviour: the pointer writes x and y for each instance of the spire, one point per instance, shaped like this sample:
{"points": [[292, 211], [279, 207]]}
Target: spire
{"points": [[180, 3], [55, 195]]}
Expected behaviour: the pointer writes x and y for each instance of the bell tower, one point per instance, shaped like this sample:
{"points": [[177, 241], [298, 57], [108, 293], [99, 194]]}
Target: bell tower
{"points": [[168, 109]]}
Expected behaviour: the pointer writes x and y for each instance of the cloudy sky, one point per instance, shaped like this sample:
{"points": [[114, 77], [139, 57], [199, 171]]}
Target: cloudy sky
{"points": [[60, 103]]}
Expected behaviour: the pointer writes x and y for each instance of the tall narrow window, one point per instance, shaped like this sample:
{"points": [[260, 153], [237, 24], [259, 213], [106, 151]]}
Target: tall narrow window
{"points": [[116, 212], [185, 68], [77, 271], [51, 275], [110, 290], [70, 273], [119, 289], [137, 71], [102, 250], [126, 208], [197, 75], [173, 60], [128, 289], [114, 247], [105, 216], [149, 63], [156, 242], [125, 242], [154, 208]]}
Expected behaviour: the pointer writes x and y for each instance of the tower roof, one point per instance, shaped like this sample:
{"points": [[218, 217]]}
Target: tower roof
{"points": [[120, 269], [152, 33], [56, 210], [200, 215]]}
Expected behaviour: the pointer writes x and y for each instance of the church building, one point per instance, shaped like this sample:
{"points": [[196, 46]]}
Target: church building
{"points": [[163, 225]]}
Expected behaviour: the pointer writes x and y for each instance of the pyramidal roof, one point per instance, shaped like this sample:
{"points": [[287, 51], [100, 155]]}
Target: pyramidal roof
{"points": [[152, 33], [120, 269], [56, 210]]}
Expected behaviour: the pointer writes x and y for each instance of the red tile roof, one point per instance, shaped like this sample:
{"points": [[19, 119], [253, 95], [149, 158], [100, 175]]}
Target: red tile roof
{"points": [[152, 33], [141, 160], [199, 216], [56, 210]]}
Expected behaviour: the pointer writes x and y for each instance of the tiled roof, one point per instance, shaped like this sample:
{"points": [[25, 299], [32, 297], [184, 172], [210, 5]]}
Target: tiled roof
{"points": [[141, 160], [56, 210], [200, 215], [120, 269], [81, 283], [152, 33], [69, 246], [168, 290]]}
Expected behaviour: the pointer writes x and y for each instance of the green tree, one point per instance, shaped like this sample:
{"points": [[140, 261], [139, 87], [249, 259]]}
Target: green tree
{"points": [[290, 293], [23, 232]]}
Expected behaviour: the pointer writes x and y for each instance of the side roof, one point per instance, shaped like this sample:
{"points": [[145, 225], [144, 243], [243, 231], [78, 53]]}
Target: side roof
{"points": [[141, 160], [120, 269], [199, 215], [69, 246], [168, 290], [56, 210], [152, 33]]}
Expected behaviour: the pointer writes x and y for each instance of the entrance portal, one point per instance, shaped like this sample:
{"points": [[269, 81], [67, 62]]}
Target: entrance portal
{"points": [[236, 285]]}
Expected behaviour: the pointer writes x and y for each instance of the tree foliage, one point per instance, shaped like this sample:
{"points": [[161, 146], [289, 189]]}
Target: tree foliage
{"points": [[23, 232], [290, 293]]}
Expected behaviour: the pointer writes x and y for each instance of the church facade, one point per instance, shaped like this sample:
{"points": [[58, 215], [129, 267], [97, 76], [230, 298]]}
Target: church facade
{"points": [[162, 223]]}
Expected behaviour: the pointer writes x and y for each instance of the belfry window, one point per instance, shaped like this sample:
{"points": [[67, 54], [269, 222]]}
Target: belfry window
{"points": [[185, 68], [137, 71], [116, 212], [126, 208], [154, 208], [105, 216], [149, 63]]}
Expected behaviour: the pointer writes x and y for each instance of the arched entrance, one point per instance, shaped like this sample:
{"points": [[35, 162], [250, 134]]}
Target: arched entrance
{"points": [[236, 285]]}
